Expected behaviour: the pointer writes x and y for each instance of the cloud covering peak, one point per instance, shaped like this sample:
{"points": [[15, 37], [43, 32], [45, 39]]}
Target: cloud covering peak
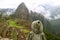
{"points": [[46, 7]]}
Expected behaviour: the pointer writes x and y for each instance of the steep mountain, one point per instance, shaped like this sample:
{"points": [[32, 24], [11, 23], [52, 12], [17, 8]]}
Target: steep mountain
{"points": [[22, 11]]}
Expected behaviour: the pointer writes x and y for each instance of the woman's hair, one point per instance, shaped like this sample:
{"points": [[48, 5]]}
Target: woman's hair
{"points": [[37, 25]]}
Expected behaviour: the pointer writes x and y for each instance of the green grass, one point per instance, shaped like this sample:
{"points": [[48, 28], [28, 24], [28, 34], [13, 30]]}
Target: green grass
{"points": [[25, 30], [13, 23]]}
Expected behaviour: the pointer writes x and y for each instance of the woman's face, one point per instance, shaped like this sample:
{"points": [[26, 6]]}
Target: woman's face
{"points": [[37, 27]]}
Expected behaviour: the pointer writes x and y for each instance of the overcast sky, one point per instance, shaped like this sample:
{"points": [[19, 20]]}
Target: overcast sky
{"points": [[31, 4]]}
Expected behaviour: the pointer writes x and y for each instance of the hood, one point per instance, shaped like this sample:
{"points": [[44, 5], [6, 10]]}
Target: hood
{"points": [[37, 26]]}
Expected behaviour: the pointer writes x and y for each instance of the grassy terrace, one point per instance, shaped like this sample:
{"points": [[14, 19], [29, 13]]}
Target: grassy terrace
{"points": [[13, 23]]}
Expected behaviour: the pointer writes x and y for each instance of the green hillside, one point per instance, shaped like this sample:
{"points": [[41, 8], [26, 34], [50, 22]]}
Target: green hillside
{"points": [[49, 36]]}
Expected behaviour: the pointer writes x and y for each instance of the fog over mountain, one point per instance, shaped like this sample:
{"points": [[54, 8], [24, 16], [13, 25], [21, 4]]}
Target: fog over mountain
{"points": [[54, 11], [7, 10], [50, 12]]}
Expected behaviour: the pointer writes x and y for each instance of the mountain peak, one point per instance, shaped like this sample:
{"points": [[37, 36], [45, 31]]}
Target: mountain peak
{"points": [[22, 5], [22, 11]]}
